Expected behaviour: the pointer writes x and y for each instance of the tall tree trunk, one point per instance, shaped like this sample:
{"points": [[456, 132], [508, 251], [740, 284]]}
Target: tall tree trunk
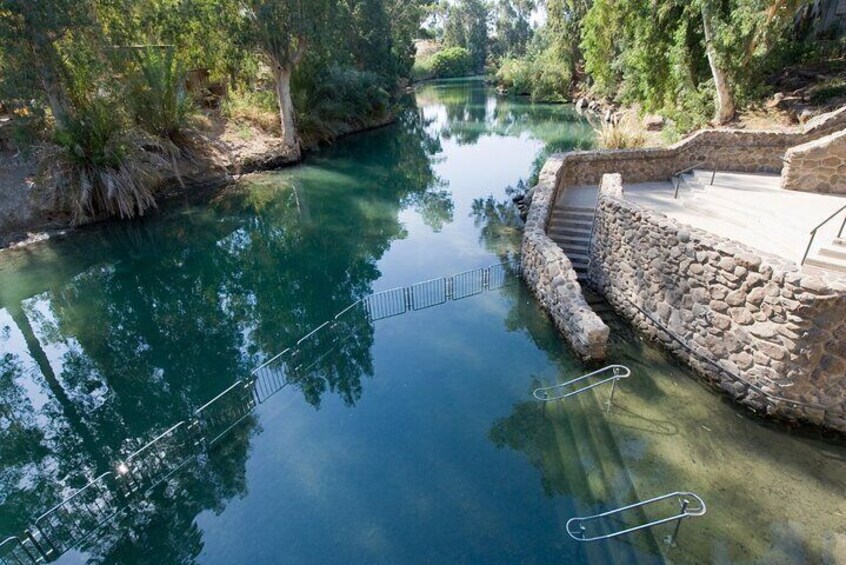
{"points": [[725, 99], [55, 93], [282, 77]]}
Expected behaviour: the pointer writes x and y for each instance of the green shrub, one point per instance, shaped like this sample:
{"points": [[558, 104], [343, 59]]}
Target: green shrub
{"points": [[515, 75], [339, 100], [98, 167], [156, 97], [540, 76], [423, 69], [452, 62]]}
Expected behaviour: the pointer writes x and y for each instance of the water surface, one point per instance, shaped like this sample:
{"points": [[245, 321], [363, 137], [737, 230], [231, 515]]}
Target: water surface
{"points": [[423, 444]]}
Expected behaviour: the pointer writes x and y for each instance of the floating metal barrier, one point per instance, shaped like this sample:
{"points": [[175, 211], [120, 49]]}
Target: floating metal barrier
{"points": [[89, 508], [75, 518], [225, 411], [13, 551], [562, 391], [148, 467], [576, 527]]}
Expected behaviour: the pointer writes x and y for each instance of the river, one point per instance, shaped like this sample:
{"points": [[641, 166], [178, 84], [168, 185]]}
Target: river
{"points": [[419, 440]]}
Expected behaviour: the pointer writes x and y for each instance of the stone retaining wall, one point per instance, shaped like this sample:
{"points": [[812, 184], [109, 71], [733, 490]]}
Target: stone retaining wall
{"points": [[750, 323], [551, 277], [725, 149], [817, 166]]}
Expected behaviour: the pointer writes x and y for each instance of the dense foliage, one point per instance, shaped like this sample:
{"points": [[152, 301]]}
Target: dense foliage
{"points": [[692, 60], [326, 65]]}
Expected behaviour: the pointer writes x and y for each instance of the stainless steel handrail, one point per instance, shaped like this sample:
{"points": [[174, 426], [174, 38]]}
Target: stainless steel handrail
{"points": [[680, 176], [685, 511], [547, 393], [813, 232]]}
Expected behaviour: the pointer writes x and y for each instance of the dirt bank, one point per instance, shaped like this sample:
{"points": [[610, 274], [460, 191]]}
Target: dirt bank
{"points": [[228, 151]]}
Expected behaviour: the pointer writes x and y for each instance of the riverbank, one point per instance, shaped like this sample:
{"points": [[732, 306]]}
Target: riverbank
{"points": [[227, 150]]}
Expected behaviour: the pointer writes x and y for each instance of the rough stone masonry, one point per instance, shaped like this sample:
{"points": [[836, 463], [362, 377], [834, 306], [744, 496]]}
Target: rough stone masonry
{"points": [[769, 335], [552, 279]]}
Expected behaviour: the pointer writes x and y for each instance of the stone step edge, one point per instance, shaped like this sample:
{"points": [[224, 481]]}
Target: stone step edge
{"points": [[833, 253], [827, 264]]}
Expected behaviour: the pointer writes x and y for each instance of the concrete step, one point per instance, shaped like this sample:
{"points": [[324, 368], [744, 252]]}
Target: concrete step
{"points": [[574, 249], [578, 258], [834, 252], [571, 223], [827, 263], [582, 240], [840, 242], [567, 232], [559, 214]]}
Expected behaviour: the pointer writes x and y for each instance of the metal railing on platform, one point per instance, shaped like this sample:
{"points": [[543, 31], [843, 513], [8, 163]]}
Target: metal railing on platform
{"points": [[577, 528], [565, 390], [813, 232], [88, 509]]}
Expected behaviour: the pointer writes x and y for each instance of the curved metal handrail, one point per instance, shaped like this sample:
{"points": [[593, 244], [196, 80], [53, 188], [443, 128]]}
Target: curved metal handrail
{"points": [[813, 232], [684, 498], [546, 394]]}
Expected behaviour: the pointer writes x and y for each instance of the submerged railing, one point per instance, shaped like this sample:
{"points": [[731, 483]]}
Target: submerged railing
{"points": [[89, 508], [565, 390], [577, 527]]}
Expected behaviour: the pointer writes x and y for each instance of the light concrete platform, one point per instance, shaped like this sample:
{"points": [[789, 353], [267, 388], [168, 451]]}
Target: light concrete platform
{"points": [[579, 197], [749, 208]]}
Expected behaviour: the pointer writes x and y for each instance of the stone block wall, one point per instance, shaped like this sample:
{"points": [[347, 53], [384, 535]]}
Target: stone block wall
{"points": [[750, 323], [817, 166], [725, 149], [552, 279]]}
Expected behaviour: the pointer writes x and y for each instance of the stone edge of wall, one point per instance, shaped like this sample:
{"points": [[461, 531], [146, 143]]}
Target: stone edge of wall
{"points": [[742, 389], [728, 149], [817, 166], [550, 275]]}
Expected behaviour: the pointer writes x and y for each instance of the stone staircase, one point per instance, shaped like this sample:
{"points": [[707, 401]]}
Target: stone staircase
{"points": [[828, 258], [571, 227]]}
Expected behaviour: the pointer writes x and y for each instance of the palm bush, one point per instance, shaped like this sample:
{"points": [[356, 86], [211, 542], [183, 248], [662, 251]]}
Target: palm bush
{"points": [[97, 167], [156, 97]]}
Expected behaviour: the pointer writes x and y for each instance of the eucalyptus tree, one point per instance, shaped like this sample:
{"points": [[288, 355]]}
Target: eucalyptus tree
{"points": [[512, 28], [283, 30], [466, 25]]}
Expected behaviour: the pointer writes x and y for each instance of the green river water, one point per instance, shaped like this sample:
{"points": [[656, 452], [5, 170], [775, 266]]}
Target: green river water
{"points": [[423, 444]]}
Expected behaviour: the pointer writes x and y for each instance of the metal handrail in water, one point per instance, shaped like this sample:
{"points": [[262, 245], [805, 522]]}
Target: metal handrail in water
{"points": [[556, 392], [684, 499], [813, 232]]}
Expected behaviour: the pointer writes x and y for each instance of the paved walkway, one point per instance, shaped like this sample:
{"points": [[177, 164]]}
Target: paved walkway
{"points": [[749, 208]]}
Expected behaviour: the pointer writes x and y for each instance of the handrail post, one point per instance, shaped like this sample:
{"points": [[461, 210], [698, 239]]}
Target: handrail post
{"points": [[611, 397], [714, 174], [684, 504], [808, 249], [843, 225]]}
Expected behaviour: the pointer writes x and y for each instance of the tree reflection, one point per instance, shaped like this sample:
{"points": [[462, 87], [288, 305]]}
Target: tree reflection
{"points": [[166, 313]]}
